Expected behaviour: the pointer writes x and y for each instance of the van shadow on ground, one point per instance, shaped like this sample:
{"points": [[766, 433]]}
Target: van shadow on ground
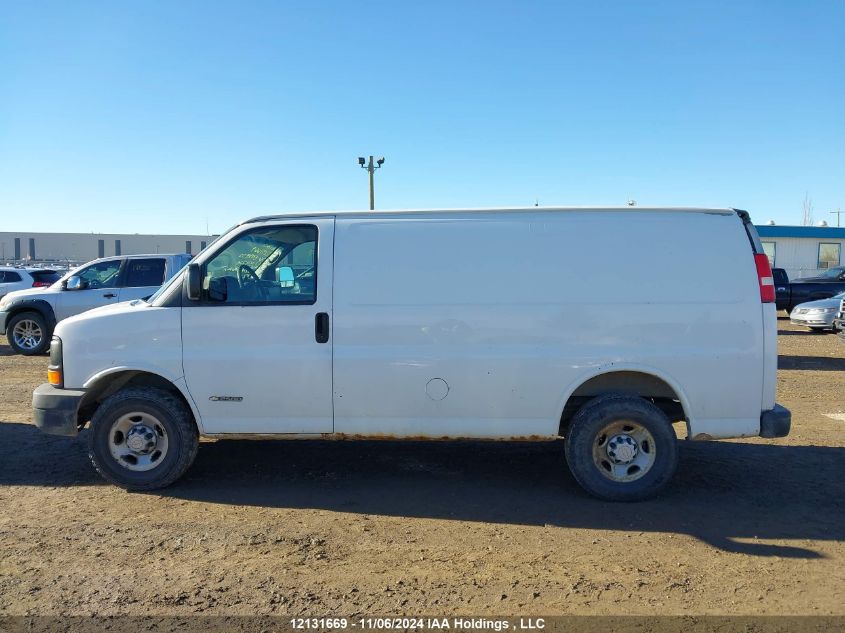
{"points": [[723, 491]]}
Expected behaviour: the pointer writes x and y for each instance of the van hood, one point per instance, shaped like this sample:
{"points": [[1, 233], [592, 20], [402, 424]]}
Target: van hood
{"points": [[132, 335], [105, 311]]}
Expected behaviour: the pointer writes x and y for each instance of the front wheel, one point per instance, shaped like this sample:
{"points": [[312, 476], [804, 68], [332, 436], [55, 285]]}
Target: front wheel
{"points": [[621, 448], [28, 333], [142, 438]]}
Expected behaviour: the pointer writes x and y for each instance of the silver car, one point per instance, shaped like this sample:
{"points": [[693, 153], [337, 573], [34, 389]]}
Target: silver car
{"points": [[817, 315]]}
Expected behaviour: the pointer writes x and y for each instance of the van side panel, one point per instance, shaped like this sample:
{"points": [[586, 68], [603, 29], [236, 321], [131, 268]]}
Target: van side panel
{"points": [[480, 325]]}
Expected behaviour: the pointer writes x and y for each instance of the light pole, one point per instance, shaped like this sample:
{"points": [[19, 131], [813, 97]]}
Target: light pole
{"points": [[837, 213], [371, 168]]}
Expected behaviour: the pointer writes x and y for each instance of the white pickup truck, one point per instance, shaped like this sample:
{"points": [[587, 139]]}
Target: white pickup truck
{"points": [[602, 326], [28, 317]]}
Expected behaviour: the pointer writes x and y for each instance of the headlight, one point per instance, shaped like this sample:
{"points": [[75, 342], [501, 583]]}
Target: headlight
{"points": [[55, 370]]}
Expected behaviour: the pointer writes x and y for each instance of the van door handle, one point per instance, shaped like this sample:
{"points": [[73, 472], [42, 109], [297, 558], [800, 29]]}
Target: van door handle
{"points": [[109, 295], [321, 327]]}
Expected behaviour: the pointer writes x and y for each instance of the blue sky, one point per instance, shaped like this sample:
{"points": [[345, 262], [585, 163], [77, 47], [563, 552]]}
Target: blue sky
{"points": [[159, 116]]}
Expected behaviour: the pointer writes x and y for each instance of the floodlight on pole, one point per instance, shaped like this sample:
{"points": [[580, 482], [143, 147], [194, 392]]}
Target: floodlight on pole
{"points": [[371, 167]]}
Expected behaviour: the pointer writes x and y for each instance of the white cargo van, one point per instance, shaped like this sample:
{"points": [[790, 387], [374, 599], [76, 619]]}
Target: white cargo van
{"points": [[599, 326]]}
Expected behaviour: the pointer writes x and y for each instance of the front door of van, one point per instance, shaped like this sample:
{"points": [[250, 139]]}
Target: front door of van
{"points": [[257, 348]]}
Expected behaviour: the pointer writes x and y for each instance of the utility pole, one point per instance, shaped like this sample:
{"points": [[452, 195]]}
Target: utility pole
{"points": [[837, 213], [371, 169]]}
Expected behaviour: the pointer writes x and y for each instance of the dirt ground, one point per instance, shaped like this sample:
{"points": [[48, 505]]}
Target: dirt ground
{"points": [[344, 528]]}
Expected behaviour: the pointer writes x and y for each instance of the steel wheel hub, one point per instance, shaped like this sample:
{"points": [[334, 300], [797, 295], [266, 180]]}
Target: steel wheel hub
{"points": [[622, 449], [138, 441], [141, 439]]}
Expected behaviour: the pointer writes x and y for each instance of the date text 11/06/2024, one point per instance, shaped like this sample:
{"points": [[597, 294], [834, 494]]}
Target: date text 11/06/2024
{"points": [[410, 623]]}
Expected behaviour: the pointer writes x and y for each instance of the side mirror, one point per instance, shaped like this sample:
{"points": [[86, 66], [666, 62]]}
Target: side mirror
{"points": [[217, 289], [286, 277], [75, 282], [194, 282]]}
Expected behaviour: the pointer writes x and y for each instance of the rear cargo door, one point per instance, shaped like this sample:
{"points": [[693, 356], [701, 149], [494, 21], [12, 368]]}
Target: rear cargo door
{"points": [[768, 315]]}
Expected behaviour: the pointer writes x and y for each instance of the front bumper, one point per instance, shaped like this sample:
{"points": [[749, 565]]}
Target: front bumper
{"points": [[56, 410], [813, 320], [776, 422]]}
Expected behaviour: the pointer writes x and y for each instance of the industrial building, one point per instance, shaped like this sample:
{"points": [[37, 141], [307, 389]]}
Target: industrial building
{"points": [[76, 248], [804, 251]]}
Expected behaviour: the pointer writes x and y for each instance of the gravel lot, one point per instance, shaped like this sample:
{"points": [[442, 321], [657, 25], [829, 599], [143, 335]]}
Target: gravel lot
{"points": [[338, 528]]}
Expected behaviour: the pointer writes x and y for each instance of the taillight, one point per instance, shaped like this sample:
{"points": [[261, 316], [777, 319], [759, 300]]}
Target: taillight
{"points": [[40, 284], [764, 276]]}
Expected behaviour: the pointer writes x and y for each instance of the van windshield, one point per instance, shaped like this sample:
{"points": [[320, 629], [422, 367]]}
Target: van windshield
{"points": [[167, 284]]}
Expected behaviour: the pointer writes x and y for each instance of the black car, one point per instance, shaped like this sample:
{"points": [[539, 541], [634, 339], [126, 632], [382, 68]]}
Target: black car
{"points": [[789, 294]]}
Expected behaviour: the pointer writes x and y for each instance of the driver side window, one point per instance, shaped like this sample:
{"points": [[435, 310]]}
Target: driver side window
{"points": [[102, 275], [269, 265]]}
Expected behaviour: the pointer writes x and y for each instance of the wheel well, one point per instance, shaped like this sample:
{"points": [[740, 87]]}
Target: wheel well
{"points": [[633, 383], [38, 307], [112, 383]]}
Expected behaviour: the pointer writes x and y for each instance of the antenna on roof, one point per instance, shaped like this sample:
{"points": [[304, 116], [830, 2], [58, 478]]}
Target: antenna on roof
{"points": [[632, 203]]}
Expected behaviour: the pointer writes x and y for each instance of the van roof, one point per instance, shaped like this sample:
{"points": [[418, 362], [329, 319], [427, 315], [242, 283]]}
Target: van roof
{"points": [[381, 212]]}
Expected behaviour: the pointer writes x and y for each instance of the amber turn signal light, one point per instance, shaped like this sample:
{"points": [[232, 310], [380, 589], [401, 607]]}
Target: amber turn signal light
{"points": [[54, 376]]}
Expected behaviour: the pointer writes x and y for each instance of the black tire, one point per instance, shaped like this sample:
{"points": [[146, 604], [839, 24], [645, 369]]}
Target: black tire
{"points": [[35, 317], [584, 441], [178, 427]]}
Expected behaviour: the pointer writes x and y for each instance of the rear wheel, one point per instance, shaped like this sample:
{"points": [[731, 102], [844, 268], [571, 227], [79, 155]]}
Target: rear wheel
{"points": [[28, 334], [142, 438], [621, 448]]}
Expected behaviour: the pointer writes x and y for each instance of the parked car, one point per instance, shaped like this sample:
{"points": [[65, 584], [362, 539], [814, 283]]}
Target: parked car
{"points": [[28, 317], [818, 315], [17, 278], [792, 293], [489, 324], [839, 320]]}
